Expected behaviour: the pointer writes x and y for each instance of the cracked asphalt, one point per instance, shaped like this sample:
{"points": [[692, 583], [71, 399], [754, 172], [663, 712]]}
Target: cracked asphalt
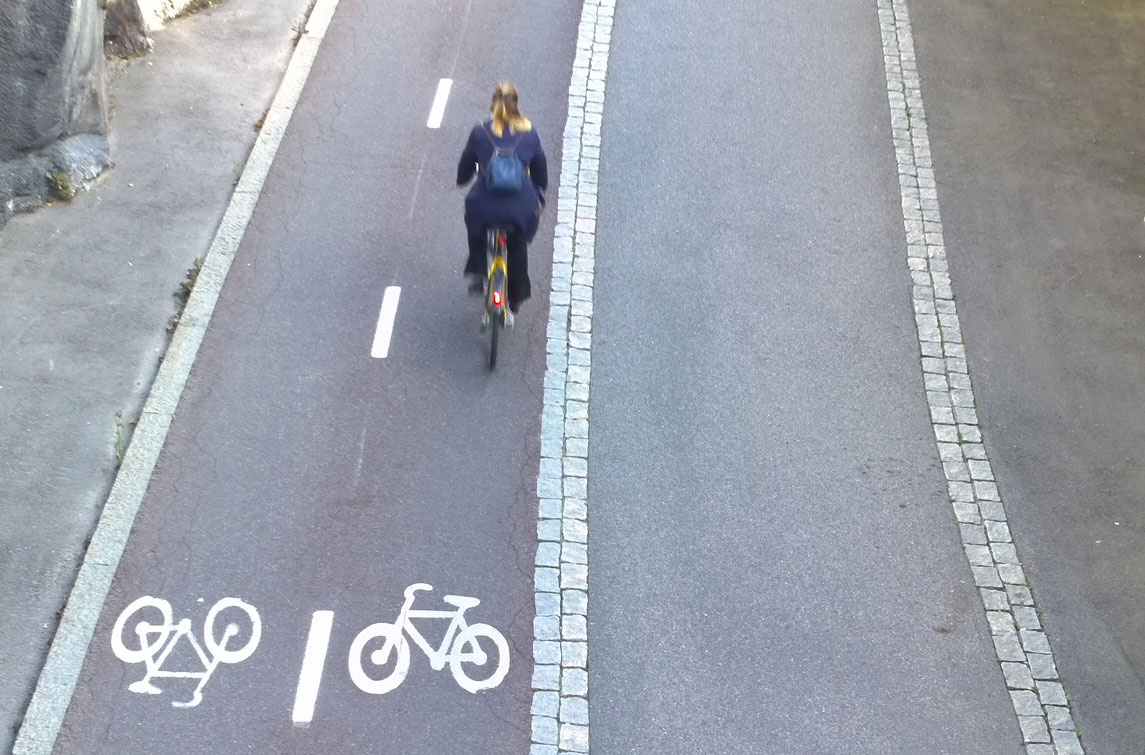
{"points": [[88, 293], [1037, 121], [762, 466], [774, 566], [301, 474]]}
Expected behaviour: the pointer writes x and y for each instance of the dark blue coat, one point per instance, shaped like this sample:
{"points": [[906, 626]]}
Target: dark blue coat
{"points": [[482, 207]]}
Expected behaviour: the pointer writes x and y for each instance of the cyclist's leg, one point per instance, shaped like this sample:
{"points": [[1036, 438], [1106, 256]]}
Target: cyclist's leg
{"points": [[520, 288], [476, 266]]}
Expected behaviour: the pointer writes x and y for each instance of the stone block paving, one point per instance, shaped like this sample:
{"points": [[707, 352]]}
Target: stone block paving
{"points": [[560, 631], [1022, 647]]}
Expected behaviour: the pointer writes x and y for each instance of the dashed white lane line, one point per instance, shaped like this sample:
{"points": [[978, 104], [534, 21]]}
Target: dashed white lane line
{"points": [[437, 112], [313, 661], [381, 347]]}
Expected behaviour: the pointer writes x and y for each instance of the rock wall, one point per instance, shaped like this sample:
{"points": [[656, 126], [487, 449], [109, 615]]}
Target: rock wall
{"points": [[125, 29], [53, 103], [155, 12]]}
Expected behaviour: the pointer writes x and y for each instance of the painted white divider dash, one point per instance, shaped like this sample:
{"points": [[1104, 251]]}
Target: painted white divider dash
{"points": [[381, 347], [437, 112], [313, 661]]}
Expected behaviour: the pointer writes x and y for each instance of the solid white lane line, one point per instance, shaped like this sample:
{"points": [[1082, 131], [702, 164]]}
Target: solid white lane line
{"points": [[381, 347], [313, 661], [437, 112]]}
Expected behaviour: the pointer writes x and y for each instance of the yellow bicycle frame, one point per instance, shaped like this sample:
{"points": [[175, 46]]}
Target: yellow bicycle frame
{"points": [[497, 263]]}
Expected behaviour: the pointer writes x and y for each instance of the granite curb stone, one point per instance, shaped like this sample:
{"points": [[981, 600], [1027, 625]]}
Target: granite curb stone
{"points": [[560, 707], [1022, 647]]}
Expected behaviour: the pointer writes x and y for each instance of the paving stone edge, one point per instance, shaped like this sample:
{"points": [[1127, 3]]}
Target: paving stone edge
{"points": [[1020, 642], [57, 681], [560, 629]]}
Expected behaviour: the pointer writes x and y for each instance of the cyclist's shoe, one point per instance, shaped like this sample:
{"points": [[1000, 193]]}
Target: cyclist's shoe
{"points": [[476, 284]]}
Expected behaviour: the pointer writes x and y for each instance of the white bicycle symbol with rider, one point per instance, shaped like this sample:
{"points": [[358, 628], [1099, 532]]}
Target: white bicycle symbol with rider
{"points": [[460, 646], [151, 643]]}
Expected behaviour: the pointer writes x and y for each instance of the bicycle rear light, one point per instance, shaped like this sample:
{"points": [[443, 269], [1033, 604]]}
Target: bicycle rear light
{"points": [[496, 298]]}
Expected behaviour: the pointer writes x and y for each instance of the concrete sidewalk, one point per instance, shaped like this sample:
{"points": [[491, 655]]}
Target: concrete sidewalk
{"points": [[89, 291]]}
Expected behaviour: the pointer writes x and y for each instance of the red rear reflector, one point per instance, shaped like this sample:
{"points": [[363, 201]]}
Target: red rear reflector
{"points": [[496, 298], [500, 239]]}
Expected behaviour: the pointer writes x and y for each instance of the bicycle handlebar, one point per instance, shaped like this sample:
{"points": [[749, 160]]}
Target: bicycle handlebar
{"points": [[416, 588]]}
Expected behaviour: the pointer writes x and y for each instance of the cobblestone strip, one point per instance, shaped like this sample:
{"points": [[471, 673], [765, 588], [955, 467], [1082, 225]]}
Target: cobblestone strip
{"points": [[560, 629], [1022, 647]]}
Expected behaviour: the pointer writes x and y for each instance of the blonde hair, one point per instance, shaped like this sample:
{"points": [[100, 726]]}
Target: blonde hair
{"points": [[506, 112]]}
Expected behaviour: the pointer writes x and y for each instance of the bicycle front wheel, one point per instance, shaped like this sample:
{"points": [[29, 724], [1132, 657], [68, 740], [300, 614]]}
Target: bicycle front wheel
{"points": [[395, 641], [217, 646], [496, 306], [493, 657], [494, 333]]}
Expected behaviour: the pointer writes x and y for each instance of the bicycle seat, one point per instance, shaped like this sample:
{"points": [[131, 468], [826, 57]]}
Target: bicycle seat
{"points": [[461, 601], [493, 232]]}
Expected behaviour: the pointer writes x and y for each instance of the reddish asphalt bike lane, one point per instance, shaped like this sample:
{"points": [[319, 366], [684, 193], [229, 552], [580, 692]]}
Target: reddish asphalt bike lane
{"points": [[302, 475]]}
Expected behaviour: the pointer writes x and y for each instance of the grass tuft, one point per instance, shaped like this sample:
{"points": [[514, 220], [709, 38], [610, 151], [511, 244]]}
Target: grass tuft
{"points": [[61, 185]]}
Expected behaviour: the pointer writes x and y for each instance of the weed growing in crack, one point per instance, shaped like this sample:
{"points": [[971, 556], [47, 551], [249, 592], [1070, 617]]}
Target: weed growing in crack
{"points": [[188, 284], [61, 185], [299, 27], [183, 293], [196, 6], [121, 425]]}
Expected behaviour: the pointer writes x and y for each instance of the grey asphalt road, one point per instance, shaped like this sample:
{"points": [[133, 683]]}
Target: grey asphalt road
{"points": [[304, 475], [774, 564], [775, 567], [88, 291], [1037, 120]]}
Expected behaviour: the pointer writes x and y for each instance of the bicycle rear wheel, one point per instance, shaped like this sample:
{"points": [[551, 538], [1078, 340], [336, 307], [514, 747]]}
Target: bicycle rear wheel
{"points": [[496, 315], [494, 330], [498, 286], [150, 637]]}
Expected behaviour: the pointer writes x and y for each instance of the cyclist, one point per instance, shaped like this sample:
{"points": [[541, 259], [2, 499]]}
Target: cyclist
{"points": [[510, 131]]}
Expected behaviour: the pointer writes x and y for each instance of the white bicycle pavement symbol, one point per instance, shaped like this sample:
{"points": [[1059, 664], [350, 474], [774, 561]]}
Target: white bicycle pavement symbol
{"points": [[461, 647], [151, 642], [379, 657]]}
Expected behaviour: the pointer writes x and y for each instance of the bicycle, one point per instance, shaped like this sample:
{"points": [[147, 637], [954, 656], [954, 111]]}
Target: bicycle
{"points": [[461, 639], [495, 315], [156, 641]]}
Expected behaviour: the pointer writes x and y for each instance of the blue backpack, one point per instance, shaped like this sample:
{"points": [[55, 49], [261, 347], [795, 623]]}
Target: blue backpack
{"points": [[505, 174]]}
